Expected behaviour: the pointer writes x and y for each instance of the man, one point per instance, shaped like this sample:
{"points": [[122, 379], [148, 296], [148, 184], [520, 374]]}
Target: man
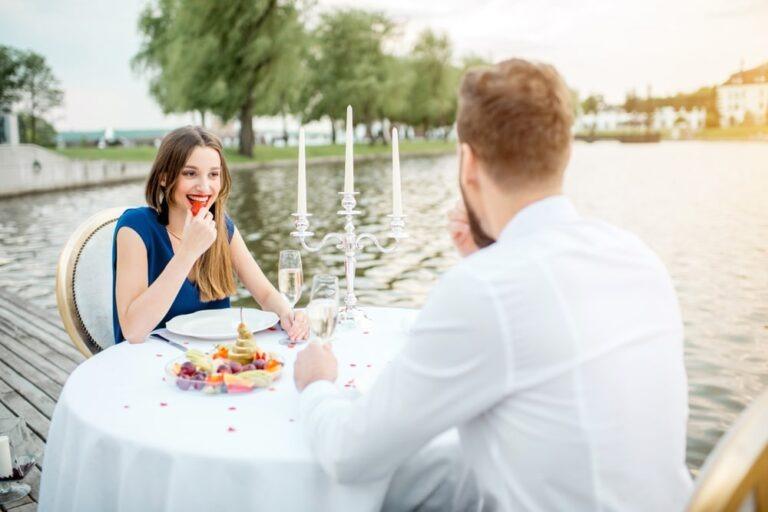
{"points": [[557, 351]]}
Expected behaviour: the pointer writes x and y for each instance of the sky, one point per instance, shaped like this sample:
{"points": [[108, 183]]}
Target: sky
{"points": [[600, 46]]}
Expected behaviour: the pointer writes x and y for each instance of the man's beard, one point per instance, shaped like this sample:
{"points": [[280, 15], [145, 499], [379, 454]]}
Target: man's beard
{"points": [[481, 238]]}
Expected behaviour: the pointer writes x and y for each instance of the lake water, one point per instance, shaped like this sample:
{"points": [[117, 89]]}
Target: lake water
{"points": [[703, 207]]}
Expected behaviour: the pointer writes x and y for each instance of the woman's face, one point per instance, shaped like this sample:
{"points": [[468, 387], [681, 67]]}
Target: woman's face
{"points": [[199, 179]]}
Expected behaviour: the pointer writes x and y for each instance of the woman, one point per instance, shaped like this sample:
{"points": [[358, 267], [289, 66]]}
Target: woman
{"points": [[178, 255]]}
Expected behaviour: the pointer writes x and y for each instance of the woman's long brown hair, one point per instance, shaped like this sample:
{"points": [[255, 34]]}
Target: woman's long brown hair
{"points": [[212, 272]]}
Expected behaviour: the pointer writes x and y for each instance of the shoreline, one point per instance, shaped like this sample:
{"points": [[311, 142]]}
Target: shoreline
{"points": [[116, 172]]}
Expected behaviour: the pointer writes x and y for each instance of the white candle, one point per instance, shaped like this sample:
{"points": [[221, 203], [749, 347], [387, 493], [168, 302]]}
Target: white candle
{"points": [[349, 180], [397, 201], [6, 468], [302, 193]]}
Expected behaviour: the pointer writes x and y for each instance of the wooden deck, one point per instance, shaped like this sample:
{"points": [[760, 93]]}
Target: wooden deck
{"points": [[36, 356]]}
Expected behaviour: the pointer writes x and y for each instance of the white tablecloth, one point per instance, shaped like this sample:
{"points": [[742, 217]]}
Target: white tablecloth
{"points": [[122, 439]]}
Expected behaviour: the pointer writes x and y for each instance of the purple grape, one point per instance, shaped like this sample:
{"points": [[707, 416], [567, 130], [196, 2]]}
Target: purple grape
{"points": [[248, 367], [260, 364], [224, 368], [236, 367], [183, 384], [188, 368]]}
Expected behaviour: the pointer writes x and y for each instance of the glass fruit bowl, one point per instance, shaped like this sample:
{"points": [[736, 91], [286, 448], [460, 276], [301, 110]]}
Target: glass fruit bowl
{"points": [[215, 374]]}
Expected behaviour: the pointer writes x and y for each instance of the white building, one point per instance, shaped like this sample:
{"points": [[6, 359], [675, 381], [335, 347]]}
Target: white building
{"points": [[680, 122], [744, 97]]}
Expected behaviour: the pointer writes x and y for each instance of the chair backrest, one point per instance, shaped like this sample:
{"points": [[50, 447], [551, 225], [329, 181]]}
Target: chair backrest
{"points": [[736, 472], [84, 283]]}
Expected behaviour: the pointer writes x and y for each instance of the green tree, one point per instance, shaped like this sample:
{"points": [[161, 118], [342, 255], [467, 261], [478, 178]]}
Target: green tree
{"points": [[9, 77], [347, 66], [44, 134], [39, 91], [223, 57], [433, 88], [592, 104]]}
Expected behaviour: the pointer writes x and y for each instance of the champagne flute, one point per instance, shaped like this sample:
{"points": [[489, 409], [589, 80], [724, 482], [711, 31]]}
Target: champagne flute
{"points": [[323, 307], [289, 280], [17, 458]]}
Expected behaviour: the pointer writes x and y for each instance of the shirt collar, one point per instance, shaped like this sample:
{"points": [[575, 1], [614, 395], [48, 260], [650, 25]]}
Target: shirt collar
{"points": [[550, 211]]}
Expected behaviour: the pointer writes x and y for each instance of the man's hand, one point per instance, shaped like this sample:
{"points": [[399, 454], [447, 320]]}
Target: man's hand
{"points": [[458, 226], [315, 362]]}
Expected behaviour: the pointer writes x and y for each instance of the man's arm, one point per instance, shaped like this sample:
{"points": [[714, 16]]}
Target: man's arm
{"points": [[453, 368]]}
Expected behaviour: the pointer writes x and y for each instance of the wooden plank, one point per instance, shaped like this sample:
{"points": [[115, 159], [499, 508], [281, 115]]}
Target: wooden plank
{"points": [[15, 337], [44, 328], [21, 356], [25, 400], [28, 507], [20, 505], [18, 326], [31, 373]]}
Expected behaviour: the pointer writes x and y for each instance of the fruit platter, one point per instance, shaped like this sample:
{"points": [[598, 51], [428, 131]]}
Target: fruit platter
{"points": [[238, 367]]}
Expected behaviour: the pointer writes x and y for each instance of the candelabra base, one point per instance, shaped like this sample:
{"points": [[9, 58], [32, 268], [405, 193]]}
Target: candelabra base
{"points": [[352, 318]]}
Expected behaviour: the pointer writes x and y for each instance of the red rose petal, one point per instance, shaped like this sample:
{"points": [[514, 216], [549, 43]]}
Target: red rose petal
{"points": [[126, 407], [368, 365], [233, 408], [352, 365], [231, 429], [158, 355], [272, 389], [163, 404]]}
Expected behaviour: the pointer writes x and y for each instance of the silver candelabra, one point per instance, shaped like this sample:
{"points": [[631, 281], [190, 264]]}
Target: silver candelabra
{"points": [[350, 242]]}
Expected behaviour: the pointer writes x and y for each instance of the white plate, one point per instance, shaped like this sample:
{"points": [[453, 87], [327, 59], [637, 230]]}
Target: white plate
{"points": [[217, 324]]}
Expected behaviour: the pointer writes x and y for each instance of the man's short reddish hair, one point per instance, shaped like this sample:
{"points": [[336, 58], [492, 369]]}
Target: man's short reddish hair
{"points": [[516, 116]]}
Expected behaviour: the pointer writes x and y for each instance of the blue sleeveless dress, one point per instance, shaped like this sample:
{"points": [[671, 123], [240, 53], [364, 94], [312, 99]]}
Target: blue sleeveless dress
{"points": [[144, 221]]}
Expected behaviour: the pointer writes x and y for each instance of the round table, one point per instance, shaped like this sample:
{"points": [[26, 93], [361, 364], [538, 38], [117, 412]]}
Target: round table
{"points": [[123, 439]]}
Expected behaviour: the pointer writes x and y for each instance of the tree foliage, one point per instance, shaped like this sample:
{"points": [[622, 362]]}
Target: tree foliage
{"points": [[27, 82], [231, 58], [347, 66]]}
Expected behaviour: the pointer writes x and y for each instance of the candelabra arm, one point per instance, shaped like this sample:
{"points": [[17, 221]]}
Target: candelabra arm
{"points": [[339, 237], [368, 236]]}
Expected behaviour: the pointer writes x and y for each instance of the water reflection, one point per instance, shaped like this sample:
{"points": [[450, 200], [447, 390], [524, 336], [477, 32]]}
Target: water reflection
{"points": [[701, 206]]}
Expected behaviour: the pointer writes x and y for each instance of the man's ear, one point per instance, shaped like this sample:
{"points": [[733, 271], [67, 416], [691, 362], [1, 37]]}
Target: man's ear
{"points": [[468, 165]]}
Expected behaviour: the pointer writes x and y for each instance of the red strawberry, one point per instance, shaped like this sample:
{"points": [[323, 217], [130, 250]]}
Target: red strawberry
{"points": [[196, 205]]}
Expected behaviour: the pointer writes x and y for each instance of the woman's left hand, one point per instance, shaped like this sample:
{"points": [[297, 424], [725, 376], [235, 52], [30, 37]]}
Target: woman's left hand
{"points": [[297, 327]]}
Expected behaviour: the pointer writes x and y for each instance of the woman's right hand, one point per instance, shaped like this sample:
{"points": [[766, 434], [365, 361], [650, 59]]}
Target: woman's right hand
{"points": [[199, 233]]}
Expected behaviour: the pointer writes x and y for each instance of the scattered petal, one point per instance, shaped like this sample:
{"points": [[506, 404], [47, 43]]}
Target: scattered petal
{"points": [[368, 365], [158, 355], [232, 408], [291, 420], [352, 365], [163, 404], [272, 389], [273, 328], [231, 429], [126, 407]]}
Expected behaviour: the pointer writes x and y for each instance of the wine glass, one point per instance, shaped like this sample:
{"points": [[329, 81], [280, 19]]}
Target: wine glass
{"points": [[323, 307], [290, 279], [17, 456]]}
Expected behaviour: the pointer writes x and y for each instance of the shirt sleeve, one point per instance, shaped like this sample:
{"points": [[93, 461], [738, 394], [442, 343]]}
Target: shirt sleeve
{"points": [[453, 367]]}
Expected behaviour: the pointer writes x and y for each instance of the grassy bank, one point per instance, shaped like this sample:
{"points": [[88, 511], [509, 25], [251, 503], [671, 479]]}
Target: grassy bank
{"points": [[262, 153], [734, 133]]}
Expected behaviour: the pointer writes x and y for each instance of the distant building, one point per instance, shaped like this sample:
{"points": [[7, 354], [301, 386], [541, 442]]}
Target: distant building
{"points": [[743, 98], [9, 129], [679, 123]]}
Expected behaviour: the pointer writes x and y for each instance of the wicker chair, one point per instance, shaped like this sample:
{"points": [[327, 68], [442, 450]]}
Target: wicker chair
{"points": [[735, 475], [84, 283]]}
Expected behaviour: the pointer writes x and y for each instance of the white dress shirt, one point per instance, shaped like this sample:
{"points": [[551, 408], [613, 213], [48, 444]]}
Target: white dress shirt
{"points": [[558, 354]]}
